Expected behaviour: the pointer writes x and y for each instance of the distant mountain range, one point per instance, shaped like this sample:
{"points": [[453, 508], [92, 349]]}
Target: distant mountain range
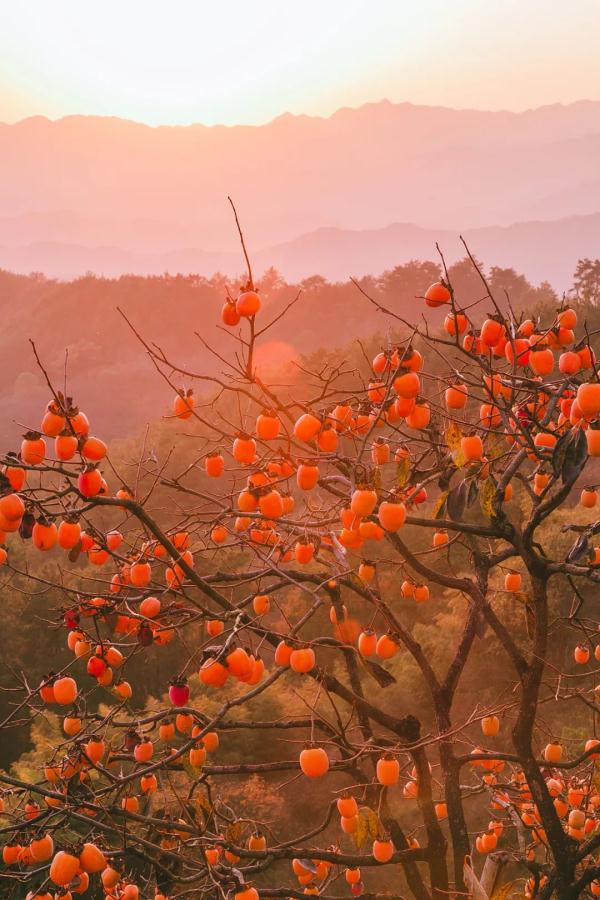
{"points": [[543, 251], [316, 195]]}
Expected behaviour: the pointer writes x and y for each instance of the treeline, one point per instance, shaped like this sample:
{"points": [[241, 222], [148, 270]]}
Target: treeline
{"points": [[77, 325]]}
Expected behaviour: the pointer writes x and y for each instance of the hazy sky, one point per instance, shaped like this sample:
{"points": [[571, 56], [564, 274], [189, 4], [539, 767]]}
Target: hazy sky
{"points": [[247, 61]]}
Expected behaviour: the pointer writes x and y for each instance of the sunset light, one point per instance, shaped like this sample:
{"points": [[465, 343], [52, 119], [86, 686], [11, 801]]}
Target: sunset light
{"points": [[300, 450], [247, 62]]}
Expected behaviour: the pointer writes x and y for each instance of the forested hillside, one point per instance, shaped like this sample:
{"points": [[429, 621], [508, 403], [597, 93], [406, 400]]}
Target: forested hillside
{"points": [[81, 318]]}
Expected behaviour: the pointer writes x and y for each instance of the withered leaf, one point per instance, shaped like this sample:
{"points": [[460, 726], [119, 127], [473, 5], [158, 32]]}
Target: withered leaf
{"points": [[456, 501], [381, 675]]}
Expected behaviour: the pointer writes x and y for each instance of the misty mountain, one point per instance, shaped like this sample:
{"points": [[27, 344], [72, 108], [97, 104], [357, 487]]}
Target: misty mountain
{"points": [[119, 187], [543, 251]]}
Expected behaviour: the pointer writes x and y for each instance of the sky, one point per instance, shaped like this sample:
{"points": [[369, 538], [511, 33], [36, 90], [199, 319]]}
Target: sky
{"points": [[248, 61]]}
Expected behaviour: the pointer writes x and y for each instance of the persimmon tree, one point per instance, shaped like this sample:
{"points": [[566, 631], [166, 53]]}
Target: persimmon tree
{"points": [[444, 472]]}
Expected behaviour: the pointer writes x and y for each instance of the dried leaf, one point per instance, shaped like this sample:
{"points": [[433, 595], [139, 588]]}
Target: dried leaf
{"points": [[560, 452], [473, 492], [376, 478], [74, 553], [576, 458], [579, 549], [27, 525], [456, 501], [367, 828], [453, 438], [402, 472], [487, 493], [381, 675], [439, 505]]}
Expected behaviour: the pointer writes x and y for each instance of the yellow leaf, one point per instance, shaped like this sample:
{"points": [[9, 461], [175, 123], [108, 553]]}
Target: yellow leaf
{"points": [[453, 437], [367, 828], [486, 496], [438, 505], [402, 472]]}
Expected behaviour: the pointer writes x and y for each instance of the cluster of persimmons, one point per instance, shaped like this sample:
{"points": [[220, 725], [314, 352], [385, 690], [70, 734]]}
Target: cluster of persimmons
{"points": [[317, 494]]}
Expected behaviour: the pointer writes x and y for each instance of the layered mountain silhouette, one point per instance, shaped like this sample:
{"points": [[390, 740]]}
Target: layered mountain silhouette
{"points": [[316, 195], [543, 251]]}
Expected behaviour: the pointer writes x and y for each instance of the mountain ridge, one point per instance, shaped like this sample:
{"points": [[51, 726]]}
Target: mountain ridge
{"points": [[532, 247], [159, 190], [287, 115]]}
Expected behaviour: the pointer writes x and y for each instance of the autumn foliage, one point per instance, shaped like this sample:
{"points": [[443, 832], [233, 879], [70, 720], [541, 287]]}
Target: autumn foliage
{"points": [[294, 545]]}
